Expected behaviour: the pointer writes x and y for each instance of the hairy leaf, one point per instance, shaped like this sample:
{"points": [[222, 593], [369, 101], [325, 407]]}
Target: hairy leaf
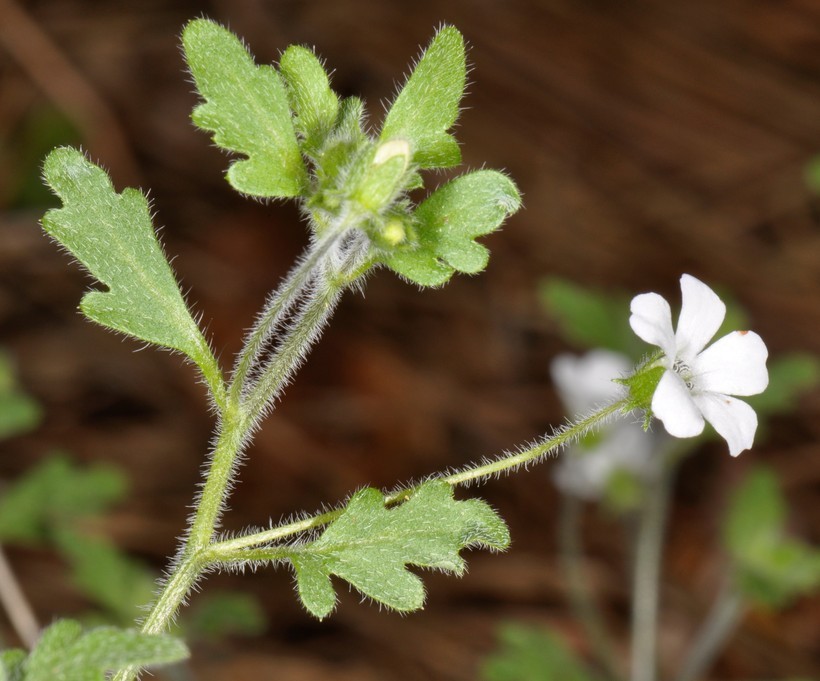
{"points": [[65, 653], [314, 104], [111, 234], [371, 546], [428, 104], [246, 108], [448, 222], [12, 664]]}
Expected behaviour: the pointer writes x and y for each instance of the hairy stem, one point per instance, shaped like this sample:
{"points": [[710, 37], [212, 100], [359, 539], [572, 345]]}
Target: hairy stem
{"points": [[504, 463], [582, 601], [723, 618], [277, 307], [646, 579]]}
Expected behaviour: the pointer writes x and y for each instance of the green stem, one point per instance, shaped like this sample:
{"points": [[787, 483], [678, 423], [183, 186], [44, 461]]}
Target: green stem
{"points": [[504, 463], [582, 601], [277, 307], [646, 578], [723, 618]]}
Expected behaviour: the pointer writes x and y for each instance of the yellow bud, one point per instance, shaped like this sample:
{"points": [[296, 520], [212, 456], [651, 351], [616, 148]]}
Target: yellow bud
{"points": [[393, 233]]}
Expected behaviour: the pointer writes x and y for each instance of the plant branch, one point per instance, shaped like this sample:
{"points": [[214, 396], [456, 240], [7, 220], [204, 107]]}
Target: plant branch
{"points": [[646, 578], [582, 601], [504, 463], [16, 605], [723, 618]]}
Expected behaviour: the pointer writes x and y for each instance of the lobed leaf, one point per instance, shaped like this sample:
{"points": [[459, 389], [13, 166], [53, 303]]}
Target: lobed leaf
{"points": [[111, 234], [448, 222], [246, 109], [314, 104], [65, 653], [428, 104], [370, 546]]}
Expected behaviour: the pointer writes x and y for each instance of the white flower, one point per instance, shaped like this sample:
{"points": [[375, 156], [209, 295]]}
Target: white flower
{"points": [[697, 383], [583, 384]]}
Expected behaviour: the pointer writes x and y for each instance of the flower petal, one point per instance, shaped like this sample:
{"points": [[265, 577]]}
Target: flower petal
{"points": [[733, 419], [701, 315], [651, 320], [673, 405], [584, 383], [735, 365]]}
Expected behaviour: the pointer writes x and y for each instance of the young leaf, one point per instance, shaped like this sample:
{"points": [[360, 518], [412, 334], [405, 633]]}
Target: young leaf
{"points": [[448, 222], [246, 107], [371, 546], [111, 234], [314, 104], [65, 653], [427, 106]]}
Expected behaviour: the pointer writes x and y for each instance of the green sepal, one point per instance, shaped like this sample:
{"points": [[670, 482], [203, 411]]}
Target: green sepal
{"points": [[112, 236], [642, 385], [370, 546], [246, 109], [314, 104], [447, 223], [428, 104], [65, 653]]}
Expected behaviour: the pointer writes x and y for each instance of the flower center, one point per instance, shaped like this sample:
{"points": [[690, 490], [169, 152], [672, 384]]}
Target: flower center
{"points": [[683, 370]]}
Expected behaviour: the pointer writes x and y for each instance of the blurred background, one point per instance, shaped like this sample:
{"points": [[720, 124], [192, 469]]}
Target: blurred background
{"points": [[649, 138]]}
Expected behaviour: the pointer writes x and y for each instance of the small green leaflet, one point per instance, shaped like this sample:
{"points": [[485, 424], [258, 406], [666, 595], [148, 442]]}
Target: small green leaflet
{"points": [[314, 104], [427, 106], [65, 653], [111, 234], [448, 222], [371, 546], [246, 107]]}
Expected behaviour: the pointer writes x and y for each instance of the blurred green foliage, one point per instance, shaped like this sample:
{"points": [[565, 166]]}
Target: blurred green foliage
{"points": [[532, 654], [771, 568], [19, 413]]}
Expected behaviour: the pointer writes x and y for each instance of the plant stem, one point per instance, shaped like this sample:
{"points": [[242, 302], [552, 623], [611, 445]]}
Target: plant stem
{"points": [[645, 587], [723, 618], [582, 601], [279, 303], [505, 462], [16, 605]]}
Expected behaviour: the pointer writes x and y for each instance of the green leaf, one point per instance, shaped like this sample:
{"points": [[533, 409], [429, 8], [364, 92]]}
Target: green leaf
{"points": [[53, 495], [789, 377], [12, 664], [590, 318], [107, 576], [447, 224], [246, 107], [428, 104], [111, 234], [771, 568], [532, 654], [65, 653], [314, 104], [370, 546]]}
